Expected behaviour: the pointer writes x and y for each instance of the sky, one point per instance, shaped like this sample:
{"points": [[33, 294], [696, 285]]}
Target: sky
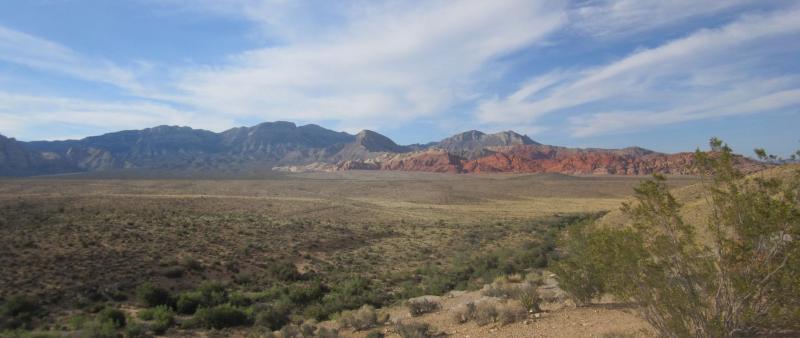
{"points": [[664, 75]]}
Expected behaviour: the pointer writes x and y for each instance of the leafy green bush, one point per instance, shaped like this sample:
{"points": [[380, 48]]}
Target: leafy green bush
{"points": [[162, 316], [219, 317], [208, 294], [347, 295], [740, 281], [151, 296], [113, 316]]}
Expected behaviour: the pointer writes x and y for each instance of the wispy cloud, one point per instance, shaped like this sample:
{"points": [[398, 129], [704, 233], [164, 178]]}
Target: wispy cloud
{"points": [[31, 117], [34, 52], [710, 73], [607, 18], [387, 64]]}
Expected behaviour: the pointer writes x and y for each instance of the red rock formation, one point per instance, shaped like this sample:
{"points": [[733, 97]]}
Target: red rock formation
{"points": [[547, 159]]}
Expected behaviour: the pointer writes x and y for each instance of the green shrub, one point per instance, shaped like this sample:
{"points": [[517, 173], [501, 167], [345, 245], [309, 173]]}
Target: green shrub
{"points": [[151, 296], [98, 329], [113, 316], [272, 316], [284, 271], [347, 295], [739, 279], [162, 316], [187, 303], [419, 307], [220, 316], [208, 294], [304, 293], [136, 330]]}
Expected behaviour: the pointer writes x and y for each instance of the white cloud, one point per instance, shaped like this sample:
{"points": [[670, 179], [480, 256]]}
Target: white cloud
{"points": [[712, 72], [34, 52], [386, 65], [26, 116]]}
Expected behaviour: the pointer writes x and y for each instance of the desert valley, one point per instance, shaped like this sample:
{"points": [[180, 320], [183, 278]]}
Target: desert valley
{"points": [[399, 169]]}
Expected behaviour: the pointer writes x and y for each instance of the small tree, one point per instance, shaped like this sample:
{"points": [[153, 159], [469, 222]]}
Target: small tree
{"points": [[745, 280]]}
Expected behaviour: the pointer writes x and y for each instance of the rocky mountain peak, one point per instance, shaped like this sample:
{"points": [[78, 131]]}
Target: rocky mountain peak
{"points": [[375, 142]]}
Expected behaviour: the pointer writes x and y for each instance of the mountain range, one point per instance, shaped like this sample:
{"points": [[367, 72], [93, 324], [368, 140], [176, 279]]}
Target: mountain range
{"points": [[285, 146]]}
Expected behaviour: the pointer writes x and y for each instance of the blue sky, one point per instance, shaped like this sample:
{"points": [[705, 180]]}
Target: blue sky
{"points": [[665, 75]]}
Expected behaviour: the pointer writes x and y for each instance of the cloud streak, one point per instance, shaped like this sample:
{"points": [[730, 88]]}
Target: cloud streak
{"points": [[709, 73]]}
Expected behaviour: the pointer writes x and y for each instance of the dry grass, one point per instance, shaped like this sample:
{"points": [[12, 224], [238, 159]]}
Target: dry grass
{"points": [[78, 241]]}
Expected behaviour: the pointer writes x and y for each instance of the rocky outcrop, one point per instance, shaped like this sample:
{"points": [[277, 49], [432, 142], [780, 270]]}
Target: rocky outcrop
{"points": [[474, 144], [367, 145], [431, 161]]}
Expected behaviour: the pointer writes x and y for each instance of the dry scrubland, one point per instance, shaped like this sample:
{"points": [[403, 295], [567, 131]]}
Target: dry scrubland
{"points": [[79, 244]]}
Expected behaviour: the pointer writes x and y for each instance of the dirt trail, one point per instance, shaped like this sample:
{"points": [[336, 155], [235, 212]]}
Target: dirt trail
{"points": [[559, 319]]}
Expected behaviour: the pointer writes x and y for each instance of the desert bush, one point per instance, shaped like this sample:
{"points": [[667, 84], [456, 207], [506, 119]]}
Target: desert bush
{"points": [[219, 317], [272, 316], [740, 281], [97, 329], [208, 294], [485, 313], [151, 296], [510, 313], [464, 313], [191, 263], [419, 307], [415, 330], [305, 292], [347, 295], [364, 318], [113, 316], [284, 271], [500, 289]]}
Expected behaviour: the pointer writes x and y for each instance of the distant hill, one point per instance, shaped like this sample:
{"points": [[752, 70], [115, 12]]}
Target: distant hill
{"points": [[286, 146]]}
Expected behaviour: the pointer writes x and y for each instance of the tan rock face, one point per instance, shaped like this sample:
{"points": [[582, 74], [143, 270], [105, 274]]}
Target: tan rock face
{"points": [[430, 161]]}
